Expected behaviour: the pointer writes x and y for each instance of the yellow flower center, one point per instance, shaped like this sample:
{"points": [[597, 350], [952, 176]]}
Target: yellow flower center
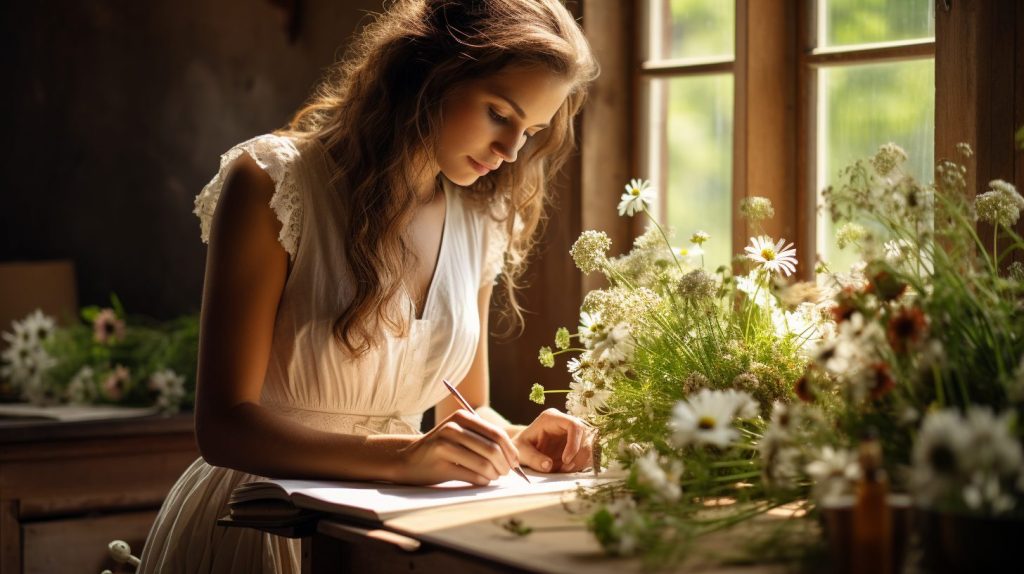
{"points": [[683, 251], [635, 191], [706, 423], [768, 254]]}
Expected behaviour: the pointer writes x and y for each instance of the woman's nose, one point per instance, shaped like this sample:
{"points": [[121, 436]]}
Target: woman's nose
{"points": [[505, 151]]}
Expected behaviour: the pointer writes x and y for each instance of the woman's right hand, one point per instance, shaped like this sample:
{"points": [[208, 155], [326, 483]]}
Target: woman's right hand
{"points": [[462, 447]]}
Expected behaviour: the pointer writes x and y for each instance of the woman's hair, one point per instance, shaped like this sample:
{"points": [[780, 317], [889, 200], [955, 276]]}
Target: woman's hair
{"points": [[380, 108]]}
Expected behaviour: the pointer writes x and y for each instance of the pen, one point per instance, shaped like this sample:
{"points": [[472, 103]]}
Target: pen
{"points": [[458, 396]]}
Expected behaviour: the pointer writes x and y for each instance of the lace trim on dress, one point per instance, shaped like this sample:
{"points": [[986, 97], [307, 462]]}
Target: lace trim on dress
{"points": [[275, 155]]}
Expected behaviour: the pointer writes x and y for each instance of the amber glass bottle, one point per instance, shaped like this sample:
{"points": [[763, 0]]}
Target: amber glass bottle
{"points": [[871, 551]]}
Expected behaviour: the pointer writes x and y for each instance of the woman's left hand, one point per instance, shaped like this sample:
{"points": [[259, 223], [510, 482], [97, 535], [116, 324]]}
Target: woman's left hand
{"points": [[556, 442]]}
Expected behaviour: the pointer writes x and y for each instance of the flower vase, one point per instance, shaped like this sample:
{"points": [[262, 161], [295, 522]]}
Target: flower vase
{"points": [[954, 543], [837, 526]]}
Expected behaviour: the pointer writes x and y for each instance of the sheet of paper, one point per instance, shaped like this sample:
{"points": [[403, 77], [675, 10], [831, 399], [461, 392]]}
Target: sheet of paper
{"points": [[388, 499]]}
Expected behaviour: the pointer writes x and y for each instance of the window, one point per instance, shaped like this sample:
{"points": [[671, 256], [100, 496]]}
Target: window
{"points": [[687, 117], [871, 71], [861, 74]]}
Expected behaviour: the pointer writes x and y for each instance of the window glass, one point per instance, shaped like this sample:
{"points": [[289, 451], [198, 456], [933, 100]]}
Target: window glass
{"points": [[849, 22], [690, 29], [861, 108], [689, 157]]}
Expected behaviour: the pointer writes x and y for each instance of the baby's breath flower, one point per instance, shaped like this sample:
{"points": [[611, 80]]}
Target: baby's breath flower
{"points": [[562, 338], [1001, 205], [889, 157], [850, 234], [699, 237], [638, 197], [964, 149], [757, 208], [546, 357], [537, 393], [589, 250]]}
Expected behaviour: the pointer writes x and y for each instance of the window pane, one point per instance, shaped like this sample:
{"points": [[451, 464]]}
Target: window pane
{"points": [[845, 22], [689, 157], [690, 29], [863, 107]]}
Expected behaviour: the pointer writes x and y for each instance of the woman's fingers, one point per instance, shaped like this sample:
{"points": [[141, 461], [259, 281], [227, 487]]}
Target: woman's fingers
{"points": [[457, 454], [473, 422], [474, 442]]}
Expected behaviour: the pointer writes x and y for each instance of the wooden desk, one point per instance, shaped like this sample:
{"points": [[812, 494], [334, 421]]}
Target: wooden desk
{"points": [[67, 489], [468, 538]]}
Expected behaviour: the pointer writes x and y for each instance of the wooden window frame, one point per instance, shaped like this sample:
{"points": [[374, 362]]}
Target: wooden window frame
{"points": [[979, 58]]}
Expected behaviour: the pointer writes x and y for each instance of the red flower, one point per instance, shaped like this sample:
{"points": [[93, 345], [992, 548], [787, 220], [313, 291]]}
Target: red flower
{"points": [[906, 327], [803, 389], [882, 382]]}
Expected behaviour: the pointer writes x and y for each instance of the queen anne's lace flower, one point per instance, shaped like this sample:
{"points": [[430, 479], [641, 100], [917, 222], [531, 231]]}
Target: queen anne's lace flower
{"points": [[699, 237], [772, 257], [638, 197], [589, 251], [850, 234], [889, 157], [1001, 205], [757, 208]]}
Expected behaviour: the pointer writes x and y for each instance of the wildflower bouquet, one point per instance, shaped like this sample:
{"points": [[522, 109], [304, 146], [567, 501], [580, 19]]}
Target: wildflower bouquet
{"points": [[100, 359], [930, 340], [678, 368]]}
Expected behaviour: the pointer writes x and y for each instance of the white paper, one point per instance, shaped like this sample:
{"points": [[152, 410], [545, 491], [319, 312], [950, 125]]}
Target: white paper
{"points": [[388, 500]]}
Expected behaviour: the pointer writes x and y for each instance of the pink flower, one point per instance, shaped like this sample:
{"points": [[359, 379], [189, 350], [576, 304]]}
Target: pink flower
{"points": [[116, 382], [107, 327]]}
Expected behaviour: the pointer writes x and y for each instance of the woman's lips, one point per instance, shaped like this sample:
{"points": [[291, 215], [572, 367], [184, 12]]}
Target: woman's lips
{"points": [[478, 167]]}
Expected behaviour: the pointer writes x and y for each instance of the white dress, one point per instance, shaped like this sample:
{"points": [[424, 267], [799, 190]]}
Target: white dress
{"points": [[310, 378]]}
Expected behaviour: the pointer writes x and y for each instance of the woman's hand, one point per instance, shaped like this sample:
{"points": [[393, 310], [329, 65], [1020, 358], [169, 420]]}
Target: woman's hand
{"points": [[462, 447], [556, 442]]}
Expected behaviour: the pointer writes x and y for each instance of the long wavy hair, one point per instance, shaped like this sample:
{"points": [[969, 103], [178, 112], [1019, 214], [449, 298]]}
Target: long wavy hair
{"points": [[391, 83]]}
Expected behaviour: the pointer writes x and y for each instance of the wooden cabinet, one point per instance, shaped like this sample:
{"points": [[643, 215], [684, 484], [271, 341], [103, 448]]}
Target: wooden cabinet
{"points": [[67, 489]]}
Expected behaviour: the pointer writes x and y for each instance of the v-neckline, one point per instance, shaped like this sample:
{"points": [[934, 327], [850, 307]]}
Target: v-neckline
{"points": [[417, 314]]}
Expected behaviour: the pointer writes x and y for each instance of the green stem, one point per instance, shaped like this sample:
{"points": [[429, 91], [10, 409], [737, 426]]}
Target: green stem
{"points": [[669, 243]]}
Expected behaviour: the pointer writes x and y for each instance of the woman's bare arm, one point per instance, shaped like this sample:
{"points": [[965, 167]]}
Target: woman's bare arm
{"points": [[246, 269]]}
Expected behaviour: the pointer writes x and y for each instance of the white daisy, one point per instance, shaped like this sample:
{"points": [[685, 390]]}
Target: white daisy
{"points": [[638, 197], [82, 388], [772, 257], [651, 474], [38, 327], [834, 472], [939, 454], [707, 417], [170, 388], [585, 398], [617, 345], [592, 329]]}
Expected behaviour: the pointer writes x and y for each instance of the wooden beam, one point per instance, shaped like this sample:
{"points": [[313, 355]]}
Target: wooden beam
{"points": [[764, 139], [608, 149]]}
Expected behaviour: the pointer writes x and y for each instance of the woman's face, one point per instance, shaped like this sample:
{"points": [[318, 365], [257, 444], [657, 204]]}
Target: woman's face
{"points": [[487, 121]]}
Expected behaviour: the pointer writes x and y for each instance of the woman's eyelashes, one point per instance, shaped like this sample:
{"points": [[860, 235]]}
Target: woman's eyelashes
{"points": [[503, 120]]}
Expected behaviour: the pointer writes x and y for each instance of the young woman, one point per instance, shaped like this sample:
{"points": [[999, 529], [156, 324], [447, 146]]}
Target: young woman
{"points": [[350, 269]]}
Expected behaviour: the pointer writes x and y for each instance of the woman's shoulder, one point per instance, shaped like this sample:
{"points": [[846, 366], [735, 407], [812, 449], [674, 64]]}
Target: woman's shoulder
{"points": [[275, 154]]}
